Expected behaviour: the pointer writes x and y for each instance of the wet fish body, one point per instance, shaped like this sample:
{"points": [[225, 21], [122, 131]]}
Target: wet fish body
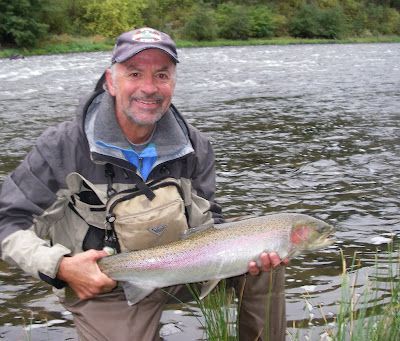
{"points": [[220, 252]]}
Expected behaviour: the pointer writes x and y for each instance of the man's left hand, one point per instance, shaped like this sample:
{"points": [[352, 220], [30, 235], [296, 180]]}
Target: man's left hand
{"points": [[268, 261]]}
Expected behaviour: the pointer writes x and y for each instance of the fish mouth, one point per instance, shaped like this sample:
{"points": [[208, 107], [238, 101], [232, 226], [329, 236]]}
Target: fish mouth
{"points": [[325, 240], [327, 232]]}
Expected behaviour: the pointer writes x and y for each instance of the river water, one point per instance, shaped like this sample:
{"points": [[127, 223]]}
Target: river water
{"points": [[304, 128]]}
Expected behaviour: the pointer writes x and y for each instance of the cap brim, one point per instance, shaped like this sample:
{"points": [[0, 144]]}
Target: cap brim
{"points": [[131, 53]]}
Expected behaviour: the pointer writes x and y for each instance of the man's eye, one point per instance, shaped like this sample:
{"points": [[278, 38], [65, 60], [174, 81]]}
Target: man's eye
{"points": [[163, 76], [134, 74]]}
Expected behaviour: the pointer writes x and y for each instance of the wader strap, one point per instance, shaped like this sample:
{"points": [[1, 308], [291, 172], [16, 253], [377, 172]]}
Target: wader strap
{"points": [[110, 237], [140, 184], [146, 190], [109, 173]]}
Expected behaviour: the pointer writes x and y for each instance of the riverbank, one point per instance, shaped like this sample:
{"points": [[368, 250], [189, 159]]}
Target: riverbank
{"points": [[69, 44]]}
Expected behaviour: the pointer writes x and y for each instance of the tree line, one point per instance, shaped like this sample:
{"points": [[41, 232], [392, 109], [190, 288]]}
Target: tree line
{"points": [[25, 23]]}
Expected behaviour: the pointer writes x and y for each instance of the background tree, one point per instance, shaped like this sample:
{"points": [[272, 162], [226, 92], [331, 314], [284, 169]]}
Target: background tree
{"points": [[312, 21], [25, 23], [233, 21], [53, 13], [200, 24], [112, 17], [261, 21], [304, 23], [382, 20], [20, 23], [168, 15], [395, 4], [331, 23], [75, 11]]}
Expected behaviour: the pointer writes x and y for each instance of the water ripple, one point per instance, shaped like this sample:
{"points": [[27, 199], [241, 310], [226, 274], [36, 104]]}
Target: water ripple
{"points": [[312, 129]]}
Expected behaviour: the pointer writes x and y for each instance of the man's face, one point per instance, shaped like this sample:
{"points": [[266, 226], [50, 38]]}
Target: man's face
{"points": [[143, 86]]}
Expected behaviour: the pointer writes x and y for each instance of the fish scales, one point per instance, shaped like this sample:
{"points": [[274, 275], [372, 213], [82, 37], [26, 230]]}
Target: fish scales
{"points": [[216, 253], [195, 248]]}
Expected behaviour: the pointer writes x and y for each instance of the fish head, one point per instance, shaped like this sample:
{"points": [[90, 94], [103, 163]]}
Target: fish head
{"points": [[311, 234]]}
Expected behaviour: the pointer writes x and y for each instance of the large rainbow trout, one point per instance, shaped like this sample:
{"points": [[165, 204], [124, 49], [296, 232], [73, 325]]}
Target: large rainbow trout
{"points": [[220, 252]]}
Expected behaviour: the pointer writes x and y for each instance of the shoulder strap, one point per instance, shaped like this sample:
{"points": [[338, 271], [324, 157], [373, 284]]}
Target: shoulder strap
{"points": [[139, 182]]}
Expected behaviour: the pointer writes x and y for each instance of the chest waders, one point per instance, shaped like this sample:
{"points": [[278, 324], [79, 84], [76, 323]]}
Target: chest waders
{"points": [[144, 216]]}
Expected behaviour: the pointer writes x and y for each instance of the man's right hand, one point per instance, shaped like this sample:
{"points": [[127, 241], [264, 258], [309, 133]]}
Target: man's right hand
{"points": [[83, 275]]}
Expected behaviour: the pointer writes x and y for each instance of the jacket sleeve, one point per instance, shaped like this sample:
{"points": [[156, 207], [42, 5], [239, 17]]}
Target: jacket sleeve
{"points": [[204, 177], [25, 195]]}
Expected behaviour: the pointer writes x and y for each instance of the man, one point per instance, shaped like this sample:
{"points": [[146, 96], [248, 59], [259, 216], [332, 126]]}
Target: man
{"points": [[91, 183]]}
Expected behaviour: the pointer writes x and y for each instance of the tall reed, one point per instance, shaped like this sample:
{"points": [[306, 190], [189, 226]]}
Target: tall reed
{"points": [[219, 310], [372, 315], [375, 313]]}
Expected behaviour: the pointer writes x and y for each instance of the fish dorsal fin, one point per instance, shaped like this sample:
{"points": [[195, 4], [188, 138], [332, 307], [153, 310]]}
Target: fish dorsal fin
{"points": [[134, 293], [207, 287], [240, 218], [228, 223], [193, 230]]}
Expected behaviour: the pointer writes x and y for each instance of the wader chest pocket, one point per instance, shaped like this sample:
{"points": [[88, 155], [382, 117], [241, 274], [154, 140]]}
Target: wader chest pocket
{"points": [[89, 207], [140, 222]]}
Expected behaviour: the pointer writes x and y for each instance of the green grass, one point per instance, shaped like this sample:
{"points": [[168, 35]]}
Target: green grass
{"points": [[62, 44], [287, 41], [219, 310], [369, 314], [67, 44], [372, 314]]}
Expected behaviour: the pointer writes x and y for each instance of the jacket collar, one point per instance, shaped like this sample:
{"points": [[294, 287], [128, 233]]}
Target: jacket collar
{"points": [[171, 138]]}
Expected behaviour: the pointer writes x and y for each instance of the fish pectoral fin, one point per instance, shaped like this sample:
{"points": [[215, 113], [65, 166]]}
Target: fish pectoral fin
{"points": [[207, 287], [134, 293]]}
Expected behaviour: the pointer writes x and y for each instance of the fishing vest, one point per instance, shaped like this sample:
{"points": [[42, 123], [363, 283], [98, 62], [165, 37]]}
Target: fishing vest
{"points": [[141, 216]]}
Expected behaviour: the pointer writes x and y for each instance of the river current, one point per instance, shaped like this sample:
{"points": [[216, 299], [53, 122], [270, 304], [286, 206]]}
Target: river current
{"points": [[302, 128]]}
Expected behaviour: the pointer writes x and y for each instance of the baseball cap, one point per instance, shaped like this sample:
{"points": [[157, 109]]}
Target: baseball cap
{"points": [[132, 42]]}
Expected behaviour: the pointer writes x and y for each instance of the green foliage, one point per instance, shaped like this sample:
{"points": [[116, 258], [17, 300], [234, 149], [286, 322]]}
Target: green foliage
{"points": [[167, 15], [110, 18], [331, 23], [233, 21], [54, 15], [74, 15], [355, 16], [305, 23], [261, 20], [219, 311], [201, 24], [392, 24], [25, 23], [395, 4], [375, 313], [383, 20], [314, 22], [20, 22]]}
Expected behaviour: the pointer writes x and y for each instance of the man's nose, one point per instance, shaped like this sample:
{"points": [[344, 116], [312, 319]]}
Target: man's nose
{"points": [[148, 85]]}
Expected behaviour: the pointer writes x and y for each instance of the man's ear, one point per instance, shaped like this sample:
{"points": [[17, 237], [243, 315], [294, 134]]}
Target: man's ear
{"points": [[110, 82]]}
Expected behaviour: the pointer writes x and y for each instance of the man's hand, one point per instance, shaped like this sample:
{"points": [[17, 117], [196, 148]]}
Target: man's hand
{"points": [[83, 275], [268, 261]]}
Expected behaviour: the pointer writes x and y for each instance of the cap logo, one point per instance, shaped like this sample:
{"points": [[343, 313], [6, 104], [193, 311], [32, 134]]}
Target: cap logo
{"points": [[146, 35]]}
